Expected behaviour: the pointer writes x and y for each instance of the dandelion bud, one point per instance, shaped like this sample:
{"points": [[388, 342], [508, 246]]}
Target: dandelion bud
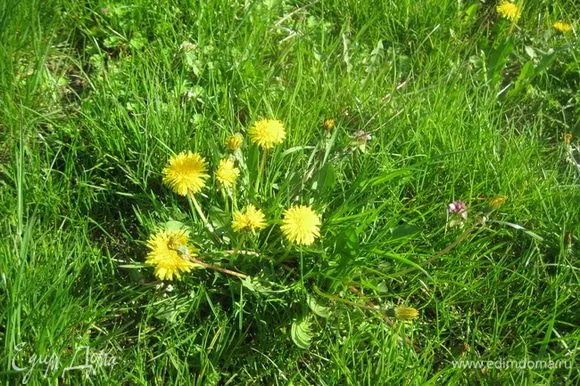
{"points": [[233, 142], [405, 314], [329, 124], [498, 201]]}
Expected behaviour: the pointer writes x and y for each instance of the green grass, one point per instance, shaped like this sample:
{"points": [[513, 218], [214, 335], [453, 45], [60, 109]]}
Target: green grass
{"points": [[460, 104]]}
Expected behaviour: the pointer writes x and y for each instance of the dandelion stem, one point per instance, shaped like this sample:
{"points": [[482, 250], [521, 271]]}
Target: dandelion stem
{"points": [[234, 198], [286, 253], [448, 248], [261, 167], [370, 306], [219, 269], [193, 200], [345, 301], [240, 252], [226, 199], [301, 266]]}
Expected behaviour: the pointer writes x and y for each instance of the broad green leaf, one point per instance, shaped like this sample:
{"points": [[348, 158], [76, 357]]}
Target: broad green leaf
{"points": [[255, 285], [295, 149], [301, 333], [404, 231], [138, 42], [525, 76], [322, 311], [347, 243], [530, 51], [218, 217], [172, 226], [388, 176], [401, 259], [471, 12], [546, 61], [498, 59], [326, 178]]}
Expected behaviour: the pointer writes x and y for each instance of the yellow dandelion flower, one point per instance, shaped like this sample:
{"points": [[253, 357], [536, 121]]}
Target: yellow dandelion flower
{"points": [[329, 124], [560, 26], [234, 142], [168, 254], [406, 313], [251, 218], [301, 224], [227, 173], [255, 218], [267, 132], [509, 11], [239, 222], [186, 173], [498, 201], [568, 138]]}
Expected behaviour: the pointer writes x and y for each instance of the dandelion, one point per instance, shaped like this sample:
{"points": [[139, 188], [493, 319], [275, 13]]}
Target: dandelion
{"points": [[169, 254], [498, 201], [329, 124], [509, 11], [186, 173], [568, 138], [267, 133], [406, 314], [563, 27], [251, 218], [301, 224], [234, 142], [227, 173]]}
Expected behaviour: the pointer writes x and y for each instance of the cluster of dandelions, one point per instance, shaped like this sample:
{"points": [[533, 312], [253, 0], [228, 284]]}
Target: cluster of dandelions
{"points": [[187, 174], [513, 11], [171, 252]]}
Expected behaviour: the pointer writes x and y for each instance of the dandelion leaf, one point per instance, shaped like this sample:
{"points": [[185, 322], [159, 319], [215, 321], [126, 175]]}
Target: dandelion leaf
{"points": [[301, 333], [322, 311]]}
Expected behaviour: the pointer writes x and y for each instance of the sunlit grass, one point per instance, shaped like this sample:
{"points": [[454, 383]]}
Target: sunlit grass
{"points": [[430, 103]]}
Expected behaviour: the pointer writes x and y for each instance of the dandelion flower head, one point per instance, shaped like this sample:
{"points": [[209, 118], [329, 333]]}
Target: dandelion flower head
{"points": [[186, 173], [234, 142], [406, 313], [251, 218], [509, 11], [560, 26], [329, 124], [301, 224], [498, 201], [168, 252], [267, 133], [227, 173]]}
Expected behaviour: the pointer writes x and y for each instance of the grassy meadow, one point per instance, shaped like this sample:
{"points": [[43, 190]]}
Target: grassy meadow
{"points": [[392, 111]]}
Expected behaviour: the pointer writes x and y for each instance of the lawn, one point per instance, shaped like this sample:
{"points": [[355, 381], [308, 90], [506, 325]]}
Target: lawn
{"points": [[289, 192]]}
